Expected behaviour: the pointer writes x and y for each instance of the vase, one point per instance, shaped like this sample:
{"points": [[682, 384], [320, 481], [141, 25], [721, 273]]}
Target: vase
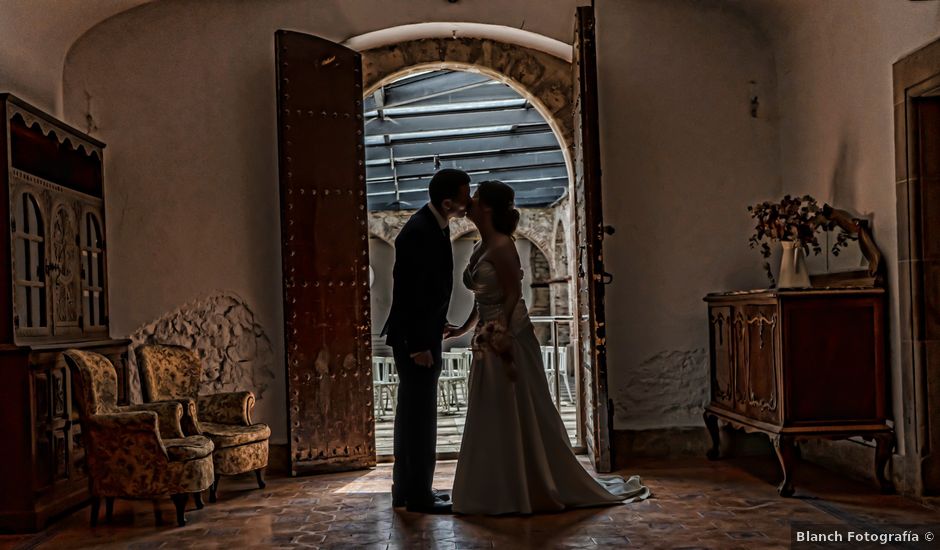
{"points": [[793, 272]]}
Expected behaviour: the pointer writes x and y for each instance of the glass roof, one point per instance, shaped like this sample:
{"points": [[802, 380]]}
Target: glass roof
{"points": [[456, 119]]}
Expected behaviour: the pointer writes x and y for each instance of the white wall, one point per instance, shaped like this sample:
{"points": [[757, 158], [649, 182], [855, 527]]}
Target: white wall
{"points": [[681, 159], [834, 62]]}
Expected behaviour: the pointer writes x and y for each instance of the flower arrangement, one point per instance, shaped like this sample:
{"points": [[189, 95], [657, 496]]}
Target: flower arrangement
{"points": [[493, 337], [795, 219]]}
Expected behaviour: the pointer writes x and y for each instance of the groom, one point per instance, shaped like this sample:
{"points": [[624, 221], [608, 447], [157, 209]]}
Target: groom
{"points": [[423, 279]]}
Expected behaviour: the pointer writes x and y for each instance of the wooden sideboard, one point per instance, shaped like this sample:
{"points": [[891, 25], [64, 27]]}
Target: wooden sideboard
{"points": [[797, 365], [53, 296]]}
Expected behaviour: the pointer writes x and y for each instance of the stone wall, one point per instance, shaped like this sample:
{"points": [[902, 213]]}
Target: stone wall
{"points": [[535, 224], [222, 329]]}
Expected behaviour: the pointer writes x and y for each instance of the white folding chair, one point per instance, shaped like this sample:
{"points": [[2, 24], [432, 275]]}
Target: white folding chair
{"points": [[451, 379], [385, 385], [563, 367], [548, 360]]}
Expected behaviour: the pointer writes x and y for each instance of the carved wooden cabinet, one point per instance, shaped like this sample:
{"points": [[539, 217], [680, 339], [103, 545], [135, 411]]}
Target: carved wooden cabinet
{"points": [[53, 296], [798, 365]]}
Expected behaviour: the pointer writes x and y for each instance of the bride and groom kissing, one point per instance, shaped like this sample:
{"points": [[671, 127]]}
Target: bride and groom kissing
{"points": [[515, 456]]}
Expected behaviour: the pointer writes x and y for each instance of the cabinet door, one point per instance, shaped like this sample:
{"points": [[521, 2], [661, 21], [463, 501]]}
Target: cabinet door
{"points": [[29, 211], [756, 366], [94, 295], [65, 270], [720, 331], [51, 388]]}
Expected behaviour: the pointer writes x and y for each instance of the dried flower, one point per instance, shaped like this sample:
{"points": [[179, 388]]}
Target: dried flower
{"points": [[795, 219]]}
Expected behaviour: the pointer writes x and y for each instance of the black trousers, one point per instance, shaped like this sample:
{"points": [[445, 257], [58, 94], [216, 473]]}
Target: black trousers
{"points": [[415, 440]]}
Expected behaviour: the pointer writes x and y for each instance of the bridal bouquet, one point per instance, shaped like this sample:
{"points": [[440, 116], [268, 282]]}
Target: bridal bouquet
{"points": [[493, 337]]}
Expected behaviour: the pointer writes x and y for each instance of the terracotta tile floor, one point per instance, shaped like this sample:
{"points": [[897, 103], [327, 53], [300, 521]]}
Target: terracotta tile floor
{"points": [[697, 504]]}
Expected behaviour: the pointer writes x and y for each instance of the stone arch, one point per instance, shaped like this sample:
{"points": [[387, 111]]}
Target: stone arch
{"points": [[544, 79], [532, 227]]}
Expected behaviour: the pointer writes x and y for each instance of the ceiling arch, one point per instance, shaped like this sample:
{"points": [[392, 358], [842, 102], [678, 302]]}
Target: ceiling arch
{"points": [[35, 37]]}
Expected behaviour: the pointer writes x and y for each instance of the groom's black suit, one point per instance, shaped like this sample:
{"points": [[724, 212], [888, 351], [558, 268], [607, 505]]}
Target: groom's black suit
{"points": [[423, 280]]}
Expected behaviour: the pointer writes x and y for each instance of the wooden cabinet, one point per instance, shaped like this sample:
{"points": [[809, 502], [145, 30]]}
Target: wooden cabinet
{"points": [[798, 365], [53, 296]]}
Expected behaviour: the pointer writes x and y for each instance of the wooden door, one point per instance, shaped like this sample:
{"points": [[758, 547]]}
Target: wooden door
{"points": [[589, 229], [325, 256]]}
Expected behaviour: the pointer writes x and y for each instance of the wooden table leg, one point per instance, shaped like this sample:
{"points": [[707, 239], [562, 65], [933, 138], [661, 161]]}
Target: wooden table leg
{"points": [[711, 422], [884, 445], [784, 446]]}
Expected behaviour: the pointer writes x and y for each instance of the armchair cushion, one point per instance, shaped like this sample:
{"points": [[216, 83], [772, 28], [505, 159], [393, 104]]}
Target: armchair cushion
{"points": [[226, 408], [188, 448], [230, 435]]}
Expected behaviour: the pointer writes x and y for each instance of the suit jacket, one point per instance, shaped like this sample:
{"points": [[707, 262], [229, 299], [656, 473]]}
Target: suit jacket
{"points": [[423, 281]]}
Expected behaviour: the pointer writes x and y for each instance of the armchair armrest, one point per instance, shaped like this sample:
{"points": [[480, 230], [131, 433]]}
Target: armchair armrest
{"points": [[169, 413], [227, 408], [135, 432], [190, 421], [124, 454]]}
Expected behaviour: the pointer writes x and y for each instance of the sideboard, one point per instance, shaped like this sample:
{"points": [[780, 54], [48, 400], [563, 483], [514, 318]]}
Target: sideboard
{"points": [[800, 364]]}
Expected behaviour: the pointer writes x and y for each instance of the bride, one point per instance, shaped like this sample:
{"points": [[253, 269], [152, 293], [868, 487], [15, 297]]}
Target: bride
{"points": [[515, 456]]}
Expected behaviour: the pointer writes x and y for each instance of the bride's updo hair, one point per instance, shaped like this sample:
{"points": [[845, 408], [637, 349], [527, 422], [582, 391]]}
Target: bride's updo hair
{"points": [[501, 199]]}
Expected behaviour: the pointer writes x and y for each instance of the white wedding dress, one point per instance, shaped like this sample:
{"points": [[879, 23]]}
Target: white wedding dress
{"points": [[515, 456]]}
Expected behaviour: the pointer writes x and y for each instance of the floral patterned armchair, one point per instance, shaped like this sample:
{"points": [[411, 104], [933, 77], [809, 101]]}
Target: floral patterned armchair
{"points": [[134, 451], [173, 373]]}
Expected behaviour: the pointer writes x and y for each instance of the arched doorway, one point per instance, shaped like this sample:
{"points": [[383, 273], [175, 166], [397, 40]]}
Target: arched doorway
{"points": [[421, 121]]}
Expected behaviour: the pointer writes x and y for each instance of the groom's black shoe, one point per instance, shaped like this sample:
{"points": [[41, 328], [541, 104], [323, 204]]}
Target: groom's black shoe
{"points": [[437, 507], [439, 496]]}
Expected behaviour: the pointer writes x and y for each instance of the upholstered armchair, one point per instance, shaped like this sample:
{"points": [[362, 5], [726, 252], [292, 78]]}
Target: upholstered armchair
{"points": [[134, 451], [173, 373]]}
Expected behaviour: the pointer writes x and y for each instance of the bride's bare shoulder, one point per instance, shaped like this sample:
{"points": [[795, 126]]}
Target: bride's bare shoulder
{"points": [[505, 250]]}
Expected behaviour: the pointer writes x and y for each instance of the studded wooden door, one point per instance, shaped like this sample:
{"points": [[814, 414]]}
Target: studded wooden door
{"points": [[590, 232], [325, 256]]}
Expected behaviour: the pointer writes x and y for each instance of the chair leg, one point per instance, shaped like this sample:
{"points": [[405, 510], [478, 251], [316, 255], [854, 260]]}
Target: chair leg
{"points": [[213, 489], [259, 473], [108, 509], [179, 500], [568, 388], [197, 498], [157, 512], [95, 506]]}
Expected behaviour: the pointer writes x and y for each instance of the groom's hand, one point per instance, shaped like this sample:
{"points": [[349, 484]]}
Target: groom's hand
{"points": [[451, 331], [424, 358]]}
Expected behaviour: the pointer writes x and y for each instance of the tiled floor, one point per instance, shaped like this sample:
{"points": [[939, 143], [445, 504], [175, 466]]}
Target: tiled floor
{"points": [[696, 504], [450, 429]]}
